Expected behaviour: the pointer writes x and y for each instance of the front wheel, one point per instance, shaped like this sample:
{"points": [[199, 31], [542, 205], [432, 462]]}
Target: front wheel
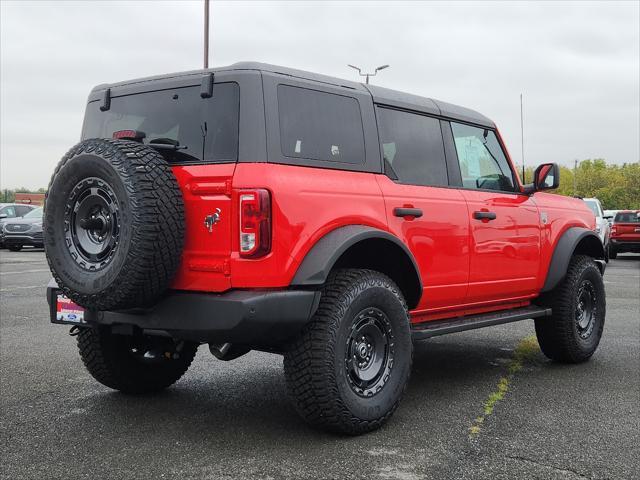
{"points": [[15, 248], [578, 303], [134, 364], [348, 369]]}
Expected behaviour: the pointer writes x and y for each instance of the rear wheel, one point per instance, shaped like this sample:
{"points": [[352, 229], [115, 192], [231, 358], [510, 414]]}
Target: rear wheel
{"points": [[613, 253], [573, 332], [350, 366], [134, 364]]}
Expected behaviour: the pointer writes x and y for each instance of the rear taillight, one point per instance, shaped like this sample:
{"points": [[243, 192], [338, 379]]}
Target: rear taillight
{"points": [[255, 223]]}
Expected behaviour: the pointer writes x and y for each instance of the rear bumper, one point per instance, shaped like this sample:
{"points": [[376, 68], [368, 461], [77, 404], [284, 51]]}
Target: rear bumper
{"points": [[259, 318], [626, 245]]}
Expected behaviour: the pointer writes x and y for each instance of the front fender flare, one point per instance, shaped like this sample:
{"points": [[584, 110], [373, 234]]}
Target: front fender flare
{"points": [[563, 252]]}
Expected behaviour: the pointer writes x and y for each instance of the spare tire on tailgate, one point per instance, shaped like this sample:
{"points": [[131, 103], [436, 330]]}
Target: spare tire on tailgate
{"points": [[113, 224]]}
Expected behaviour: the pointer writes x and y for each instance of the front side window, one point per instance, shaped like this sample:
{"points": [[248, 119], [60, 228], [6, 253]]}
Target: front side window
{"points": [[483, 164], [320, 126], [10, 212], [203, 129], [412, 147]]}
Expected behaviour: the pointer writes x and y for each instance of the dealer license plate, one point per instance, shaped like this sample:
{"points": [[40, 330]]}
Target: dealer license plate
{"points": [[67, 311]]}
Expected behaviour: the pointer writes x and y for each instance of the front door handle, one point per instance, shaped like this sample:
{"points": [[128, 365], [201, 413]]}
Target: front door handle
{"points": [[484, 215], [407, 212]]}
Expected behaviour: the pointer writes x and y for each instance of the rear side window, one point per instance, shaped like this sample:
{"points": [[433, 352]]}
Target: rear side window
{"points": [[483, 164], [412, 147], [320, 126], [206, 129], [627, 217]]}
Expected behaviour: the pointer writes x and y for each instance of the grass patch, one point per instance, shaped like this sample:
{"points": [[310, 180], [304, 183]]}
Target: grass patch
{"points": [[526, 349]]}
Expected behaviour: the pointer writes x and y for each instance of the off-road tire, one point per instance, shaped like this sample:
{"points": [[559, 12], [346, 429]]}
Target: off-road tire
{"points": [[315, 364], [613, 253], [150, 224], [109, 359], [559, 336]]}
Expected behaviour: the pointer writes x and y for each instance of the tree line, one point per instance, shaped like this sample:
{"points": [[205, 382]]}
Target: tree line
{"points": [[617, 186]]}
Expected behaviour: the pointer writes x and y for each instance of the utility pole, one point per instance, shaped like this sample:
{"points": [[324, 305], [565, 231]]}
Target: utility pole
{"points": [[522, 137], [206, 33]]}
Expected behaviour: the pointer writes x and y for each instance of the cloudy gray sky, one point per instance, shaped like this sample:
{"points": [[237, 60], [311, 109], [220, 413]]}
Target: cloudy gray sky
{"points": [[577, 64]]}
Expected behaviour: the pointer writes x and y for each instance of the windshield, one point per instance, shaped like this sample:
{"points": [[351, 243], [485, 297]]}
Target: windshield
{"points": [[35, 213], [593, 206], [627, 217], [201, 129]]}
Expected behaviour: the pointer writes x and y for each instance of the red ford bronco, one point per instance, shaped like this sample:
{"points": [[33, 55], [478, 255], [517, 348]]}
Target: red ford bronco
{"points": [[260, 207]]}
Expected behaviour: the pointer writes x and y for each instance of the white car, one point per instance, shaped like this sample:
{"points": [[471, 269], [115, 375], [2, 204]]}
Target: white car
{"points": [[603, 229]]}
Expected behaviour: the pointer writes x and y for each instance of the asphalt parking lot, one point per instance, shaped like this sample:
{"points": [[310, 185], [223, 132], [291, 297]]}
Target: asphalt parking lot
{"points": [[232, 420]]}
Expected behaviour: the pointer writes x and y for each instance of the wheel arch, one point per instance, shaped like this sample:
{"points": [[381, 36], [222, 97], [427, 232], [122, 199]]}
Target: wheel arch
{"points": [[574, 241], [360, 246]]}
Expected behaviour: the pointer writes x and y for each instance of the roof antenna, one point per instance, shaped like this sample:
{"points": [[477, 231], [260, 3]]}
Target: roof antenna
{"points": [[522, 138]]}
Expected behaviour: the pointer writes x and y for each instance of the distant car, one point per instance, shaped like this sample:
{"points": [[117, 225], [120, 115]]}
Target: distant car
{"points": [[609, 215], [602, 225], [625, 232], [9, 211], [24, 231]]}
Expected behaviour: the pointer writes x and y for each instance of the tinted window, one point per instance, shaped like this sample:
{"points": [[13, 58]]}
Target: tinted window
{"points": [[412, 147], [22, 211], [482, 162], [206, 128], [627, 217], [320, 126]]}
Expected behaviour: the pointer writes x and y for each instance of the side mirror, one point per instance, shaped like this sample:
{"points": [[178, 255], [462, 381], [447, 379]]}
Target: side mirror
{"points": [[546, 177]]}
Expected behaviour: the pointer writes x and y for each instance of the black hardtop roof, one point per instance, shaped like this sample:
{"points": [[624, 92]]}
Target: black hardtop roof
{"points": [[380, 95]]}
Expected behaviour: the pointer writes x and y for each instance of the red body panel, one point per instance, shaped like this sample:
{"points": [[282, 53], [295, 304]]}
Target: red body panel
{"points": [[466, 265], [439, 240]]}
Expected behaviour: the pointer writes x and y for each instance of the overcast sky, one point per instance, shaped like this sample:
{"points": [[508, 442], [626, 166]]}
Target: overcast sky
{"points": [[577, 64]]}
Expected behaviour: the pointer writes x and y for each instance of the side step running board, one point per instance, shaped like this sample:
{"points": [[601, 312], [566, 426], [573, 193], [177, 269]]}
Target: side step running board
{"points": [[460, 324]]}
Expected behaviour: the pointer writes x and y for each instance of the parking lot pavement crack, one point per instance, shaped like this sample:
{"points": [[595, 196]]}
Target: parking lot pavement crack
{"points": [[550, 467], [527, 347]]}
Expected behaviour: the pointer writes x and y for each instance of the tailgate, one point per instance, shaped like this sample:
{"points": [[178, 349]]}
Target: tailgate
{"points": [[206, 190]]}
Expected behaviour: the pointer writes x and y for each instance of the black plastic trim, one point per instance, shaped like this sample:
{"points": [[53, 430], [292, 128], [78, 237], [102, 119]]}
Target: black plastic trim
{"points": [[564, 251], [206, 88], [461, 324], [317, 264], [260, 318]]}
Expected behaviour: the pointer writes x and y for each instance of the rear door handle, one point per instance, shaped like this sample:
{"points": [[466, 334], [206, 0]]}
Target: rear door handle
{"points": [[484, 215], [407, 212]]}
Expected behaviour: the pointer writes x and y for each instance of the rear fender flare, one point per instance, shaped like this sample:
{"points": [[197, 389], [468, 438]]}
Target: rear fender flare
{"points": [[320, 260]]}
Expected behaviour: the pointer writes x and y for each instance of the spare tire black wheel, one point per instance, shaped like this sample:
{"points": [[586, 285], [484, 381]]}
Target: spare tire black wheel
{"points": [[114, 224]]}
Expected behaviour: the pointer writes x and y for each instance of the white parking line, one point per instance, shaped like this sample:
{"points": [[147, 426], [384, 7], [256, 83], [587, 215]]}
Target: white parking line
{"points": [[21, 288], [25, 271]]}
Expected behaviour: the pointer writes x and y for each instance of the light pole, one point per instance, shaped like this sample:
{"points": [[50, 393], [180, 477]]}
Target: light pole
{"points": [[382, 67], [206, 33]]}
